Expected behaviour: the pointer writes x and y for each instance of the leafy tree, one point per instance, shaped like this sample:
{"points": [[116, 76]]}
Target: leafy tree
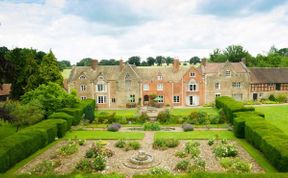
{"points": [[194, 60], [64, 64], [84, 62], [169, 60], [283, 52], [6, 67], [49, 70], [109, 62], [235, 53], [134, 60], [217, 56], [51, 96], [160, 60], [144, 63], [151, 61], [39, 56]]}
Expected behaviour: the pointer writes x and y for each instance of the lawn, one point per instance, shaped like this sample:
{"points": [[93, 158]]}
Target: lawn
{"points": [[196, 135], [187, 111], [121, 113], [66, 73], [277, 115], [104, 135]]}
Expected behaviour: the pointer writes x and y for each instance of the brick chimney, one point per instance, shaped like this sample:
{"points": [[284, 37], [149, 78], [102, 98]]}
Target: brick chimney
{"points": [[94, 64], [204, 61], [176, 65], [121, 65]]}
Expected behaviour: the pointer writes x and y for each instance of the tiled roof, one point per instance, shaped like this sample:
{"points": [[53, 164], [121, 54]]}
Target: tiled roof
{"points": [[269, 75], [5, 90], [239, 67]]}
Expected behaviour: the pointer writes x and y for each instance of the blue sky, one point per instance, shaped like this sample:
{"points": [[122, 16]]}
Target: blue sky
{"points": [[75, 29]]}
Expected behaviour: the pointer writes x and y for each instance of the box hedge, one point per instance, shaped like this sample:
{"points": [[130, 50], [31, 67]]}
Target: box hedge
{"points": [[62, 115], [76, 113], [22, 144]]}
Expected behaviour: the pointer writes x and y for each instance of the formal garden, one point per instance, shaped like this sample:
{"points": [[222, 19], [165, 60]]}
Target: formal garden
{"points": [[58, 135]]}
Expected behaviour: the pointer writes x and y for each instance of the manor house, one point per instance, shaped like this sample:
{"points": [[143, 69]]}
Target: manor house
{"points": [[128, 85]]}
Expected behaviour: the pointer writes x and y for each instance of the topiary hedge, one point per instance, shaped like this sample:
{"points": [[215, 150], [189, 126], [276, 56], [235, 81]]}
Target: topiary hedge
{"points": [[62, 115], [22, 144], [76, 113]]}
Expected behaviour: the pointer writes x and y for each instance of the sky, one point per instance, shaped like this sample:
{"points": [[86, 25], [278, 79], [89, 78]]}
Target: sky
{"points": [[104, 29]]}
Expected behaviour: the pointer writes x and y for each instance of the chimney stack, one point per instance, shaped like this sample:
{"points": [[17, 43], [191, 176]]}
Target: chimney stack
{"points": [[204, 61], [94, 64], [121, 65], [176, 65], [243, 60]]}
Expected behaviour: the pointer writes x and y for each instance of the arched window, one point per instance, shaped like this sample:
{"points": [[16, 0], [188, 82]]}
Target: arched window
{"points": [[192, 86], [101, 86], [82, 87]]}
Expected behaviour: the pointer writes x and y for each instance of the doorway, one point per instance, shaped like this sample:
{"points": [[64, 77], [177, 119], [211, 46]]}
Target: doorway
{"points": [[255, 96]]}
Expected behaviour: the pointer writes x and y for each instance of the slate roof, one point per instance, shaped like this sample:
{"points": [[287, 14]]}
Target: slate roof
{"points": [[5, 90], [269, 75]]}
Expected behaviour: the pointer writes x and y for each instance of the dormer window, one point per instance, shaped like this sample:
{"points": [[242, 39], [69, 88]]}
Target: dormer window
{"points": [[82, 77], [159, 77], [192, 74], [227, 73]]}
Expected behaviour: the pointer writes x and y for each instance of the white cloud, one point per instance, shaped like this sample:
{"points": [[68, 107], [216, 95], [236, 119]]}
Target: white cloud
{"points": [[175, 31]]}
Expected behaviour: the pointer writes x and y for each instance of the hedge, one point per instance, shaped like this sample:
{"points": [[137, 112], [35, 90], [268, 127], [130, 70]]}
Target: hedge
{"points": [[272, 141], [240, 118], [88, 106], [62, 115], [230, 106], [76, 113], [22, 144]]}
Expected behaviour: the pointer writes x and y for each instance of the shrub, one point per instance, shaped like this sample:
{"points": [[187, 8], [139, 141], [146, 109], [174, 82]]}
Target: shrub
{"points": [[164, 116], [152, 126], [197, 166], [62, 115], [198, 117], [120, 144], [181, 154], [235, 165], [133, 145], [272, 98], [187, 127], [81, 142], [182, 165], [84, 166], [44, 168], [192, 148], [114, 127], [99, 163], [98, 150], [76, 113], [225, 150], [143, 118], [211, 141], [88, 107], [282, 98], [159, 171], [69, 148], [163, 144]]}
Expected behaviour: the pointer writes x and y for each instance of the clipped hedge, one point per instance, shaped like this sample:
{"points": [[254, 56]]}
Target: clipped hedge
{"points": [[240, 118], [231, 106], [22, 144], [76, 113], [88, 106], [62, 115], [272, 141]]}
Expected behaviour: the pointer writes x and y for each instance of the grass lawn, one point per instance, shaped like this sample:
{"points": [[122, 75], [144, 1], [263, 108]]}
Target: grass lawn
{"points": [[277, 115], [66, 73], [6, 130], [187, 111], [196, 135], [123, 113], [104, 135]]}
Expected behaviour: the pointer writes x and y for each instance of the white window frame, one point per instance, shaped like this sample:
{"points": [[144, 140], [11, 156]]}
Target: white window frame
{"points": [[161, 101], [146, 87], [101, 99], [159, 77], [192, 74], [103, 86], [190, 86], [217, 86], [160, 87], [236, 84], [217, 95], [176, 99], [82, 87], [83, 97], [82, 77], [132, 100], [228, 73]]}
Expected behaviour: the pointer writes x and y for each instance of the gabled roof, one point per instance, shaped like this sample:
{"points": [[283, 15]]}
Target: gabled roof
{"points": [[269, 75], [238, 67], [5, 90]]}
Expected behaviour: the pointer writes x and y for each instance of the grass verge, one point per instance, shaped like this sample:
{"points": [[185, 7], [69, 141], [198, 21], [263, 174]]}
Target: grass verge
{"points": [[104, 135]]}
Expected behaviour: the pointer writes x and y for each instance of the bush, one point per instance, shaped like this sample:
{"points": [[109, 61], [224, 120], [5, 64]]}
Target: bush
{"points": [[44, 168], [282, 98], [181, 154], [143, 118], [84, 166], [163, 144], [198, 117], [272, 98], [235, 165], [182, 165], [98, 150], [192, 148], [187, 127], [133, 145], [69, 148], [114, 127], [164, 116], [198, 165], [120, 144], [88, 107], [152, 126], [99, 163], [76, 113], [225, 150], [62, 115], [211, 141], [81, 142], [159, 171]]}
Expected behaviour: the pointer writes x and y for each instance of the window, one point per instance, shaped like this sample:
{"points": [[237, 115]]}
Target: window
{"points": [[192, 87], [278, 86], [101, 87], [192, 74], [82, 87], [82, 77], [160, 86], [237, 96], [176, 99], [217, 86], [160, 99], [146, 87], [83, 97], [227, 73], [113, 100], [159, 77], [236, 84], [132, 98], [101, 99], [218, 95]]}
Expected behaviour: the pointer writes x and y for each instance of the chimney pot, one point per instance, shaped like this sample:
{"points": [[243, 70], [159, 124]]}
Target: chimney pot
{"points": [[94, 64], [121, 65]]}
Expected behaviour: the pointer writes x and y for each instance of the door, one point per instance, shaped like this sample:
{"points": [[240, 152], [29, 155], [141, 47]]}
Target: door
{"points": [[192, 100], [255, 96]]}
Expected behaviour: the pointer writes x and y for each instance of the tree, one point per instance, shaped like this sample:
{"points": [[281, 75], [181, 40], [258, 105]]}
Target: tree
{"points": [[194, 60], [49, 70], [150, 61], [134, 60], [109, 62], [6, 66], [51, 96], [64, 64], [283, 52], [217, 56], [169, 60], [144, 63], [235, 53], [84, 62], [160, 60]]}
